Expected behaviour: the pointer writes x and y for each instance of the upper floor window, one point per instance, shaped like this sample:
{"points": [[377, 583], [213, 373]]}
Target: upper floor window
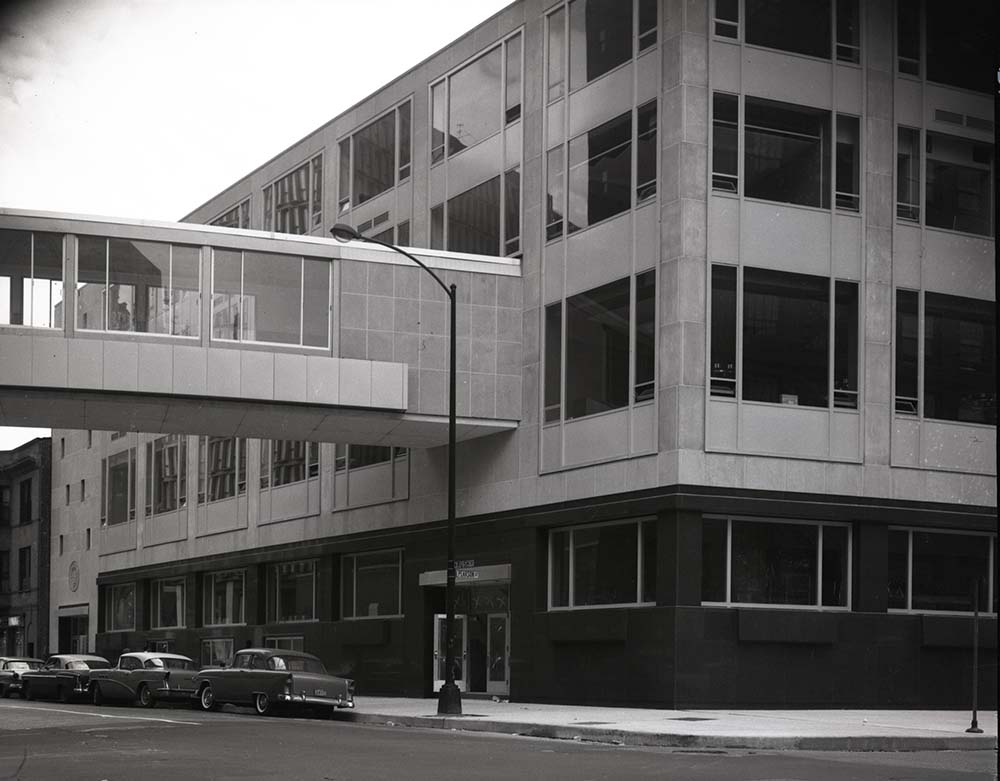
{"points": [[291, 591], [265, 297], [477, 100], [959, 357], [118, 488], [168, 603], [119, 608], [24, 568], [294, 203], [604, 327], [371, 584], [601, 180], [960, 181], [285, 461], [224, 595], [940, 570], [138, 286], [783, 345], [222, 468], [485, 219], [166, 474], [237, 217], [809, 27], [31, 279], [602, 35], [25, 501], [602, 564], [949, 43], [375, 158], [4, 571], [789, 154], [764, 562], [285, 642], [4, 504]]}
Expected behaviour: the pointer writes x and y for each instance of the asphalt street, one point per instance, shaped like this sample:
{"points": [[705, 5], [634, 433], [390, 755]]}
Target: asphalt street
{"points": [[41, 740]]}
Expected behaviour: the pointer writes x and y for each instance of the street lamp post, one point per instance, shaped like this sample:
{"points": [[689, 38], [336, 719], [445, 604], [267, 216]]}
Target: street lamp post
{"points": [[449, 698]]}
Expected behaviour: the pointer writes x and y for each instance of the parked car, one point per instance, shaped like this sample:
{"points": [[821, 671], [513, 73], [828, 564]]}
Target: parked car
{"points": [[63, 676], [11, 668], [145, 678], [269, 678]]}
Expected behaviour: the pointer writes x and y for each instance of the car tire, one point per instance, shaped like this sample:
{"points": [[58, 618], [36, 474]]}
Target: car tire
{"points": [[263, 704], [144, 697], [206, 698], [96, 696]]}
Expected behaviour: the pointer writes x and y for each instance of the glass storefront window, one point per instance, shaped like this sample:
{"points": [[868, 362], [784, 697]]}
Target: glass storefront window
{"points": [[168, 603], [120, 611], [371, 584], [291, 593], [31, 279], [224, 597], [938, 571]]}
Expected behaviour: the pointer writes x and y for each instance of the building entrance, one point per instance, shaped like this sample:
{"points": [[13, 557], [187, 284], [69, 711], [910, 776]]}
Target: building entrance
{"points": [[482, 633]]}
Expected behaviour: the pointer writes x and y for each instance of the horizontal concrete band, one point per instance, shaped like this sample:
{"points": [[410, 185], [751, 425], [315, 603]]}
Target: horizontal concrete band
{"points": [[177, 414]]}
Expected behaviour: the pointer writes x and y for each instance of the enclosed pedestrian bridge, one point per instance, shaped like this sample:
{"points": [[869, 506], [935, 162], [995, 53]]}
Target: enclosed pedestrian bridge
{"points": [[190, 329]]}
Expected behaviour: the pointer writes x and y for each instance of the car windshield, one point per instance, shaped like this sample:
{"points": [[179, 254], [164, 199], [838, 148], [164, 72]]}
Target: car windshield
{"points": [[89, 664], [170, 664], [22, 666], [297, 664]]}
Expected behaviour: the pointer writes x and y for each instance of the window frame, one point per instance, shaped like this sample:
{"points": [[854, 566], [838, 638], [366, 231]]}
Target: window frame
{"points": [[131, 455], [818, 606], [991, 585], [208, 589], [28, 301], [242, 209], [274, 570], [314, 170], [571, 569], [112, 589], [203, 476], [156, 597], [508, 245], [346, 201], [211, 641]]}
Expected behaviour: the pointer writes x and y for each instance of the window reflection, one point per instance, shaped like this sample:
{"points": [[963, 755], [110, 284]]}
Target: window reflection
{"points": [[472, 92], [31, 279], [600, 34], [600, 173]]}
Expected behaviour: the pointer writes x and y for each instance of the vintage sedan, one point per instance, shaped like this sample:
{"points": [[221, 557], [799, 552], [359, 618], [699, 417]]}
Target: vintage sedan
{"points": [[63, 676], [269, 679], [11, 668], [145, 678]]}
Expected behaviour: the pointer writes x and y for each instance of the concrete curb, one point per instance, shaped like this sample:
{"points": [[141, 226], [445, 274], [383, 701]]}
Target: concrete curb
{"points": [[680, 740]]}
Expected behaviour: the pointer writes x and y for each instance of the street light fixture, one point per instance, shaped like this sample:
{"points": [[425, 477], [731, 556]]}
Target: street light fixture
{"points": [[449, 698]]}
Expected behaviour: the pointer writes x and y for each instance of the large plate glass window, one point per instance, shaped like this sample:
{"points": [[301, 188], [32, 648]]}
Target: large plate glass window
{"points": [[118, 475], [270, 298], [294, 203], [224, 597], [484, 220], [166, 474], [603, 564], [797, 26], [31, 279], [237, 217], [216, 651], [765, 562], [119, 610], [168, 603], [222, 468], [370, 584], [937, 570], [286, 461], [375, 159], [291, 591], [138, 286]]}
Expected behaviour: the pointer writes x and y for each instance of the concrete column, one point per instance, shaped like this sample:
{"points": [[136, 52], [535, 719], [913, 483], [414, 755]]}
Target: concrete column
{"points": [[683, 225], [871, 568], [879, 211], [678, 558]]}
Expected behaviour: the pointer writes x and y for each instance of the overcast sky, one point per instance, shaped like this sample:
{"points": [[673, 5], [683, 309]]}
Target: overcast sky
{"points": [[148, 108]]}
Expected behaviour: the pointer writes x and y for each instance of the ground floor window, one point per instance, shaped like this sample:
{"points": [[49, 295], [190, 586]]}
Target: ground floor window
{"points": [[168, 603], [370, 584], [763, 562], [119, 610], [216, 651], [224, 597], [286, 642], [603, 564], [291, 591], [938, 570]]}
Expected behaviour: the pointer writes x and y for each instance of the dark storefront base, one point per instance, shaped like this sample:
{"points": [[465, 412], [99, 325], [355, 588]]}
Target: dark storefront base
{"points": [[675, 654]]}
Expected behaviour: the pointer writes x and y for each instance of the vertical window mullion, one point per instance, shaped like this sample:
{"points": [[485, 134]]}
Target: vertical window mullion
{"points": [[920, 354], [819, 567], [572, 569], [170, 290], [729, 560], [909, 569], [239, 337], [107, 285], [831, 347], [850, 567], [638, 562], [302, 298]]}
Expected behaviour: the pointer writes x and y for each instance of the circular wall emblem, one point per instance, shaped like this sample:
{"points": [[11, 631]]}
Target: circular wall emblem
{"points": [[74, 576]]}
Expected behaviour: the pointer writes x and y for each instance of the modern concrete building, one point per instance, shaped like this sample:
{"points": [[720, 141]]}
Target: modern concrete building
{"points": [[24, 548], [731, 363]]}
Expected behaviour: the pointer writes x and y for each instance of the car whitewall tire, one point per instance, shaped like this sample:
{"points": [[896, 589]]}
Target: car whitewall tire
{"points": [[206, 698], [145, 696], [262, 704]]}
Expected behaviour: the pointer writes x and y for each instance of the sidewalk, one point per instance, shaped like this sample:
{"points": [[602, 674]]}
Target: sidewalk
{"points": [[813, 730]]}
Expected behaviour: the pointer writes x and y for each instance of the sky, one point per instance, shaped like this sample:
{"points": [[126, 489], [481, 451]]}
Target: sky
{"points": [[148, 108]]}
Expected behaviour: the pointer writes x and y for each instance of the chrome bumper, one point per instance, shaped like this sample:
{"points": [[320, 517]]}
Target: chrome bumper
{"points": [[306, 699]]}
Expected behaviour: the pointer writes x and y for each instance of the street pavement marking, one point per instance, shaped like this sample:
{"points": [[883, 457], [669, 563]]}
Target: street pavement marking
{"points": [[102, 715]]}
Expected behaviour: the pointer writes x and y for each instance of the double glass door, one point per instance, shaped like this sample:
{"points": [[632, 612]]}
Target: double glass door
{"points": [[440, 650], [482, 653]]}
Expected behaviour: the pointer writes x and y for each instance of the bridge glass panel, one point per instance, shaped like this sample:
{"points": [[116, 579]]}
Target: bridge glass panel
{"points": [[31, 279], [272, 298]]}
